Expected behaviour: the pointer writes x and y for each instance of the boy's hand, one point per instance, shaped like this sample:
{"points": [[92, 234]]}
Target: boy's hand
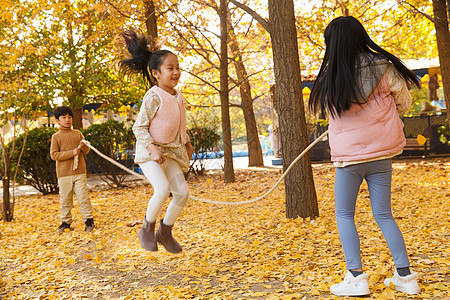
{"points": [[76, 151]]}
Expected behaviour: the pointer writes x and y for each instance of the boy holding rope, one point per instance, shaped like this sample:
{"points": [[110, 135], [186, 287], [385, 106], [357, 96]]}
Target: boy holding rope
{"points": [[66, 149]]}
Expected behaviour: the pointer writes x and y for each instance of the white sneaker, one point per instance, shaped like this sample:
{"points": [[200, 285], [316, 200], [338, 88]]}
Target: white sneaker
{"points": [[352, 286], [407, 284]]}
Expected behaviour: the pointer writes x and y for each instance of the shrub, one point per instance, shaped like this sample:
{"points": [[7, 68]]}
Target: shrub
{"points": [[204, 140], [444, 134], [115, 140], [36, 167]]}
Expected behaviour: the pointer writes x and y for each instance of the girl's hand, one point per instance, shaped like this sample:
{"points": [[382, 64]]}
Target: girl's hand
{"points": [[190, 149], [156, 154], [158, 157]]}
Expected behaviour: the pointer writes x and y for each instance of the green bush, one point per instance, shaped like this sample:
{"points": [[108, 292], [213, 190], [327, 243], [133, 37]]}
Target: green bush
{"points": [[36, 168], [115, 140], [444, 134], [204, 140]]}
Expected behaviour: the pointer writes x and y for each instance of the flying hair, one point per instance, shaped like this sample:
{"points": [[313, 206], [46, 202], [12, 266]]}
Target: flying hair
{"points": [[144, 55]]}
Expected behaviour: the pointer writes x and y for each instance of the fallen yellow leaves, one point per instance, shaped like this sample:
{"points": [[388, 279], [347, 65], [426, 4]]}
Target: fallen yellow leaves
{"points": [[230, 252]]}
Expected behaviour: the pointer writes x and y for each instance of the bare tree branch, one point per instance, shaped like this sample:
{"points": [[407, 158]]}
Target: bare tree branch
{"points": [[263, 22], [202, 80], [201, 31], [416, 10], [118, 9], [260, 95], [237, 84], [198, 105]]}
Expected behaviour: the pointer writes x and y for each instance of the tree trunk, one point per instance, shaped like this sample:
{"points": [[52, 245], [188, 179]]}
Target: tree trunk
{"points": [[150, 19], [75, 94], [443, 45], [224, 94], [77, 118], [255, 158], [448, 8], [301, 199], [7, 206]]}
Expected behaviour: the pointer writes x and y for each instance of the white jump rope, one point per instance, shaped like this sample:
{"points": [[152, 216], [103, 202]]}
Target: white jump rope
{"points": [[210, 201]]}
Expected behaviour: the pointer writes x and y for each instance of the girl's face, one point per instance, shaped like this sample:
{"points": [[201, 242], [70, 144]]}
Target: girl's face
{"points": [[168, 74]]}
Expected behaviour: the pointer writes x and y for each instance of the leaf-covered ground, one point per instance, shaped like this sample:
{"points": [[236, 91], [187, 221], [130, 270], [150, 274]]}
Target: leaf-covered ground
{"points": [[230, 252]]}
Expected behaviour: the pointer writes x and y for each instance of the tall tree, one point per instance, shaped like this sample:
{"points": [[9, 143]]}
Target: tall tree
{"points": [[77, 40], [255, 158], [224, 93], [443, 44], [389, 23], [201, 42], [441, 25], [301, 198], [19, 97]]}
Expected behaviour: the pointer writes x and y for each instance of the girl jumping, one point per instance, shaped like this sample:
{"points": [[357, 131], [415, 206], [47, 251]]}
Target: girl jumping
{"points": [[364, 88], [163, 148]]}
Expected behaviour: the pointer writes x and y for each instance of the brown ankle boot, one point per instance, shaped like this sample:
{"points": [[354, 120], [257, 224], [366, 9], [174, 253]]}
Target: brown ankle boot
{"points": [[164, 236], [147, 236]]}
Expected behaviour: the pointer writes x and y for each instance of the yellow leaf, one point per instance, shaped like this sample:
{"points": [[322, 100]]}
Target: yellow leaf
{"points": [[314, 292], [259, 294], [439, 286], [421, 139], [87, 256]]}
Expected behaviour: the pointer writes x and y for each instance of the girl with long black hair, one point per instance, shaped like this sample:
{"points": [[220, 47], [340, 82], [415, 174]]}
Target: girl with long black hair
{"points": [[364, 88]]}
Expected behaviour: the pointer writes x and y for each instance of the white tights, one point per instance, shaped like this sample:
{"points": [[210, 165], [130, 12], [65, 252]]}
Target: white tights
{"points": [[165, 178]]}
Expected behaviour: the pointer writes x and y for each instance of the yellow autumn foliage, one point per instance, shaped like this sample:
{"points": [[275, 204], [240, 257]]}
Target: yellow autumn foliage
{"points": [[230, 252]]}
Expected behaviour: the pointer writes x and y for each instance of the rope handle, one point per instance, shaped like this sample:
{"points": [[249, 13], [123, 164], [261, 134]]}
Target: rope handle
{"points": [[211, 201]]}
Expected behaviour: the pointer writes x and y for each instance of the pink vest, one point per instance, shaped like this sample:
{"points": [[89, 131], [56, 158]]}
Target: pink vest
{"points": [[170, 117], [371, 130]]}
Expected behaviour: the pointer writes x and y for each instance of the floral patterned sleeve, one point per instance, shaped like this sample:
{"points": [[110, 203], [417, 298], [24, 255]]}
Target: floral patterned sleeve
{"points": [[399, 90], [149, 107]]}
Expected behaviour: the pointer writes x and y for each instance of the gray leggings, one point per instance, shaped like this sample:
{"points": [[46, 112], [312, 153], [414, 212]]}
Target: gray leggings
{"points": [[347, 183]]}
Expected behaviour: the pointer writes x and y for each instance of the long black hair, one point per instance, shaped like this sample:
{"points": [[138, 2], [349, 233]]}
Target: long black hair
{"points": [[336, 87], [141, 59]]}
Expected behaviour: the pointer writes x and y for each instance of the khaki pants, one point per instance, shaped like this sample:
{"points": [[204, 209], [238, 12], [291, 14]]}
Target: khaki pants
{"points": [[74, 184]]}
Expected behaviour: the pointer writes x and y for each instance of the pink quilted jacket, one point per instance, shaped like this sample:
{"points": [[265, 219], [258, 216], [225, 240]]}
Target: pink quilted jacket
{"points": [[170, 118], [367, 131]]}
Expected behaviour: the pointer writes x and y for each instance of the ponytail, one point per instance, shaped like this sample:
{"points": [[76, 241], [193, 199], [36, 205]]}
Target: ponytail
{"points": [[141, 59]]}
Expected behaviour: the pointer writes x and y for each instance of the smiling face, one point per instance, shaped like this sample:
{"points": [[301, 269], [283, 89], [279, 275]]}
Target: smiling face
{"points": [[65, 121], [168, 74]]}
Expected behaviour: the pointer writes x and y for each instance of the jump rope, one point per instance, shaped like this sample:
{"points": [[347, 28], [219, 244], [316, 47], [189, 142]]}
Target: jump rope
{"points": [[140, 176]]}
